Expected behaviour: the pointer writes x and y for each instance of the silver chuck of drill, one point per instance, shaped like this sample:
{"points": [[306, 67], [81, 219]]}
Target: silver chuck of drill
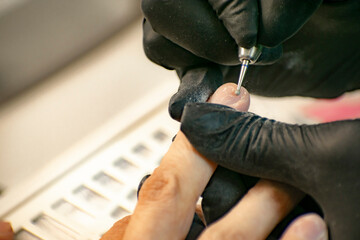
{"points": [[246, 57]]}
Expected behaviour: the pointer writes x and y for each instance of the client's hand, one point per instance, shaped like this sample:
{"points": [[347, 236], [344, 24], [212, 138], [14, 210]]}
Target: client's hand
{"points": [[167, 199], [306, 227], [6, 232]]}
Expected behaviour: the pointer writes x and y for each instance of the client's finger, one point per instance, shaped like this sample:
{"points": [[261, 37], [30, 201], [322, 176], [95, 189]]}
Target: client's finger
{"points": [[196, 228], [6, 232], [226, 95], [168, 198], [307, 227], [116, 232], [257, 214]]}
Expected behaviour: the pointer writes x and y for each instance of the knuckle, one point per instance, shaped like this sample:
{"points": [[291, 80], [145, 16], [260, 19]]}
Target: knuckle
{"points": [[151, 45], [147, 5], [246, 37], [153, 8], [271, 40], [151, 39], [156, 47], [160, 50], [161, 186]]}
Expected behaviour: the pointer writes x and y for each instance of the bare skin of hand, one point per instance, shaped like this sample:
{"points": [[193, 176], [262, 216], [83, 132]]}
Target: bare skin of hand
{"points": [[6, 232], [167, 199]]}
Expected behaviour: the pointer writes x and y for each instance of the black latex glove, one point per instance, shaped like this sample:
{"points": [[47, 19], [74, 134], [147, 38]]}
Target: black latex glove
{"points": [[200, 40], [322, 160], [319, 60]]}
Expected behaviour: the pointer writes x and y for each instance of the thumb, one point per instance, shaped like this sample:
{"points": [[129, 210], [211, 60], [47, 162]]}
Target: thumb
{"points": [[299, 155]]}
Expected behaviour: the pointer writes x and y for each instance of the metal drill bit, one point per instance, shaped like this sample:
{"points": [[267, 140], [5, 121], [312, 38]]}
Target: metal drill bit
{"points": [[246, 57], [244, 66]]}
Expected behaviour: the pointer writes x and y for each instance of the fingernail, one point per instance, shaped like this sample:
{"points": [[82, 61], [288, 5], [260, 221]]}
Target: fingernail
{"points": [[141, 184], [226, 96], [312, 228]]}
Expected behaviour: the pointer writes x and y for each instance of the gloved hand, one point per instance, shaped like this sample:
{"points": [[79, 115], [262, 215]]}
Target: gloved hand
{"points": [[319, 41], [226, 188], [321, 160]]}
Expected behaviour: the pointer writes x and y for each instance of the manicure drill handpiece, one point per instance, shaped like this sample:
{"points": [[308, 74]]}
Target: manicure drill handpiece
{"points": [[247, 56]]}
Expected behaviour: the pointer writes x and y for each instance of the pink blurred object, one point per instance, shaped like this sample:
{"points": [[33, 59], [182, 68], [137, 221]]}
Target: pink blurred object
{"points": [[346, 107]]}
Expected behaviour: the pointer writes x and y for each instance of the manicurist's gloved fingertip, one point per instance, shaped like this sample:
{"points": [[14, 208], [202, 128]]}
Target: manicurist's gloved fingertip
{"points": [[197, 85]]}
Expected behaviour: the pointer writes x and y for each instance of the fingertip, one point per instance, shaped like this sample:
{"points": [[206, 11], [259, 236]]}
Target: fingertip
{"points": [[307, 227], [197, 84], [176, 106], [225, 94], [117, 231]]}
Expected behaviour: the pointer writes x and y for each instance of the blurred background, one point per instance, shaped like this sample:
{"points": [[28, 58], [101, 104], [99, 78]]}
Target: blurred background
{"points": [[83, 115], [66, 67]]}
